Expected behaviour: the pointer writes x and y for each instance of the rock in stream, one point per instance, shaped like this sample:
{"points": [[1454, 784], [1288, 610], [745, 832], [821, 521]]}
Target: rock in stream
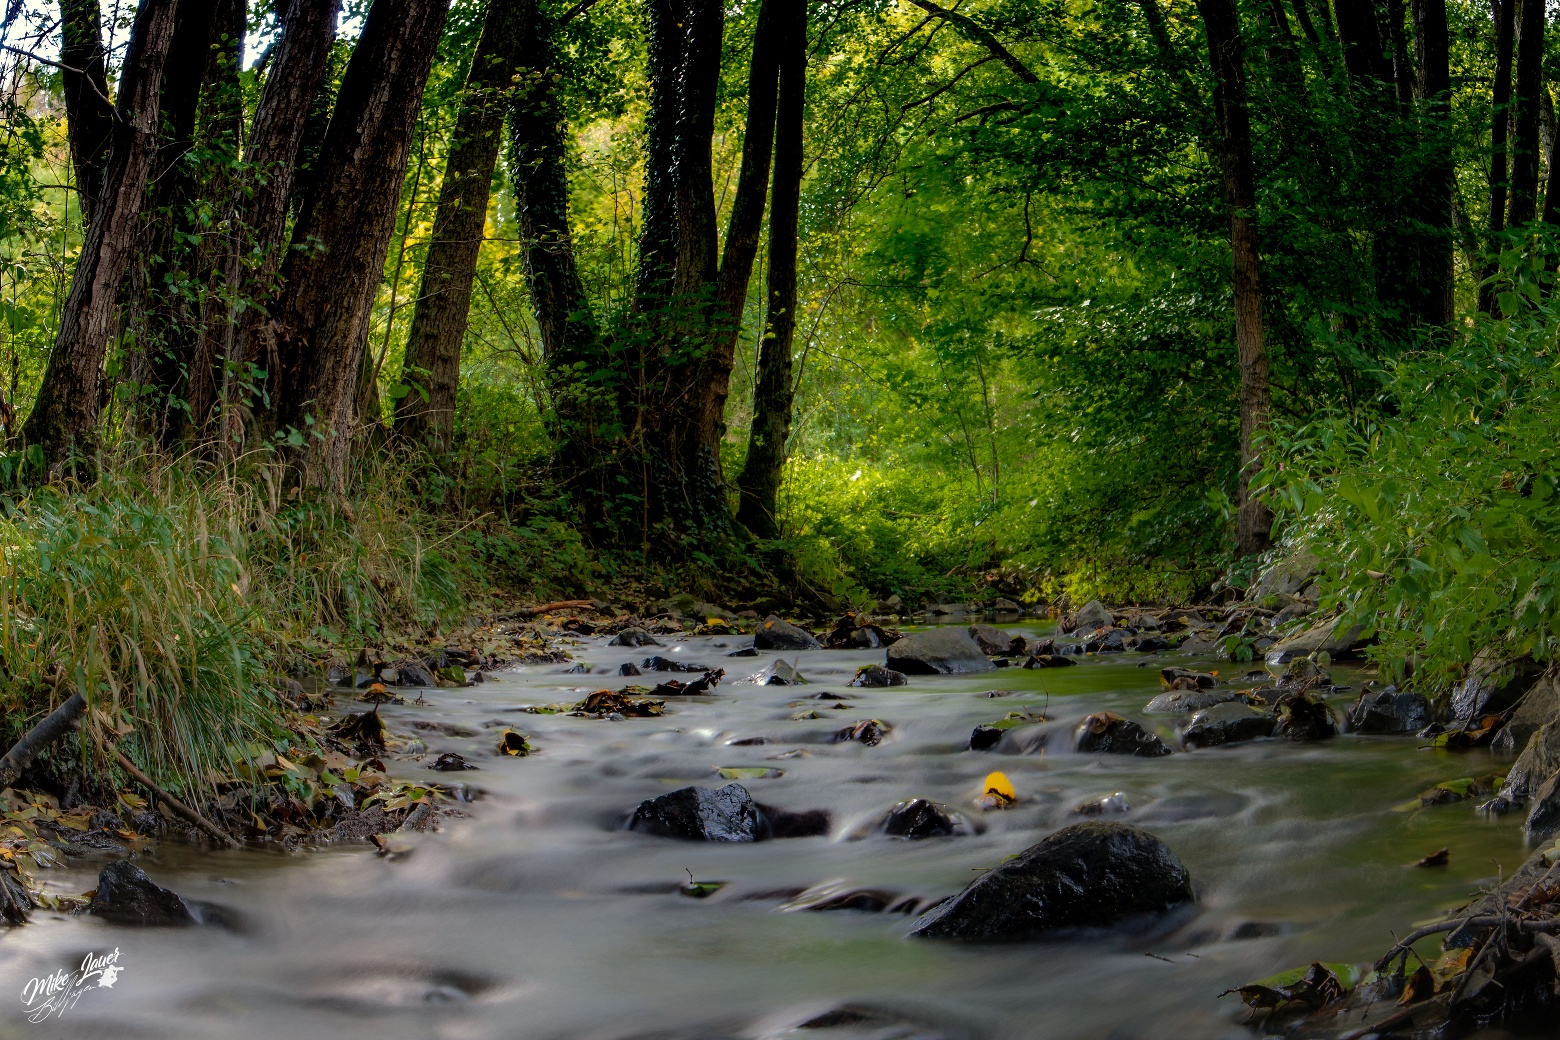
{"points": [[1093, 874]]}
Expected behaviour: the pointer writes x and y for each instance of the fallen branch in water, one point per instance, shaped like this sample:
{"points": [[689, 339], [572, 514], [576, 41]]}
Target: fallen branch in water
{"points": [[173, 803], [36, 740]]}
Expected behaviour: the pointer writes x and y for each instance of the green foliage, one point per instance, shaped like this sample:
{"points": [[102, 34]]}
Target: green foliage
{"points": [[1435, 513]]}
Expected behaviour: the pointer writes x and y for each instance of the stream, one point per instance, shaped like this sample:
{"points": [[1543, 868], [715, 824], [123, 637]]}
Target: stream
{"points": [[536, 917]]}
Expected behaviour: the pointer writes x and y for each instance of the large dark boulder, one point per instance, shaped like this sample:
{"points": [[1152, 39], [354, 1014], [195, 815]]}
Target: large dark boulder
{"points": [[1389, 711], [937, 651], [125, 895], [1228, 723], [775, 634], [1093, 874], [1539, 707], [700, 814]]}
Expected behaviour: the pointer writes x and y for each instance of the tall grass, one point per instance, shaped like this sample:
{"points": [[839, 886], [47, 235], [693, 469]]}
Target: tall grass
{"points": [[168, 592]]}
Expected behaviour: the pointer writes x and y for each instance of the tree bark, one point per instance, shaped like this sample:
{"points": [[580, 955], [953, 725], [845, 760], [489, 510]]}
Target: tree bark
{"points": [[1500, 101], [1221, 23], [1525, 143], [679, 426], [431, 370], [658, 228], [157, 311], [89, 118], [758, 485], [329, 293], [257, 224], [63, 421]]}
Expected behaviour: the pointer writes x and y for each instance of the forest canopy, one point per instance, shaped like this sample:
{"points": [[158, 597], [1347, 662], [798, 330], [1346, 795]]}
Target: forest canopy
{"points": [[1013, 295]]}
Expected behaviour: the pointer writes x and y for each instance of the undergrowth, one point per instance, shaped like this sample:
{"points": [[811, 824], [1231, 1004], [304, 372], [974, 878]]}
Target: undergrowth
{"points": [[170, 594]]}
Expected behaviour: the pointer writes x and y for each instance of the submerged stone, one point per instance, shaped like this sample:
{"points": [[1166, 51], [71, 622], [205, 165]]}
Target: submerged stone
{"points": [[1093, 874]]}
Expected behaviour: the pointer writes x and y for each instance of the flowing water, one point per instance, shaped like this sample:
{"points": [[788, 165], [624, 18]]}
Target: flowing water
{"points": [[535, 917]]}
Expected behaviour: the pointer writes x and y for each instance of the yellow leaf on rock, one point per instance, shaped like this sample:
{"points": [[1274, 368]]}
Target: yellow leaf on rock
{"points": [[998, 783]]}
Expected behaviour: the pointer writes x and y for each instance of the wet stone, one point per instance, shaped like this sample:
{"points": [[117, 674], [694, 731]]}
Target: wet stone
{"points": [[1105, 732], [877, 675], [1390, 711], [1093, 874], [1182, 701], [938, 651], [918, 818], [701, 814], [125, 895], [777, 634], [634, 637], [984, 738], [666, 664], [1228, 723]]}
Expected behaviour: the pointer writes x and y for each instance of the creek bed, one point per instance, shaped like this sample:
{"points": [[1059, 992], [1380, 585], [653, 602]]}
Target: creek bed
{"points": [[535, 917]]}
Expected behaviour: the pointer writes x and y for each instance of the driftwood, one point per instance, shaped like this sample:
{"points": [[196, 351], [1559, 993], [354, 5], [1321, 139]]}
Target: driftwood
{"points": [[173, 803], [59, 722]]}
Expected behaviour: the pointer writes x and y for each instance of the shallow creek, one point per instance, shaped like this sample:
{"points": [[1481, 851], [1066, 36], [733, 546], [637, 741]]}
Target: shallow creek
{"points": [[536, 917]]}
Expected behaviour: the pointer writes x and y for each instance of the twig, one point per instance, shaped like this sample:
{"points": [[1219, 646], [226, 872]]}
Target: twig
{"points": [[173, 803]]}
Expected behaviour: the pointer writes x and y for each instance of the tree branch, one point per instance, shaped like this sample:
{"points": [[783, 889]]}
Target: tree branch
{"points": [[978, 33]]}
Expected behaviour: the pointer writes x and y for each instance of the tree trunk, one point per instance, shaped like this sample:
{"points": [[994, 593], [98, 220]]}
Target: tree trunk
{"points": [[431, 370], [1525, 144], [1433, 52], [758, 485], [222, 130], [1403, 76], [63, 421], [658, 228], [584, 382], [323, 314], [258, 211], [1221, 23], [89, 118], [156, 311], [1500, 102], [680, 423], [1363, 55]]}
